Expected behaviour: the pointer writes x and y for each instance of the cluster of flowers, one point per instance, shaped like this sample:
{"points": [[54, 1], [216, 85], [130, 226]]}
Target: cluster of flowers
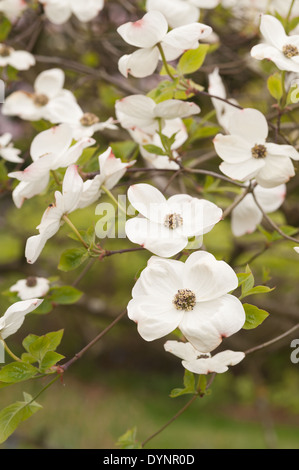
{"points": [[194, 296]]}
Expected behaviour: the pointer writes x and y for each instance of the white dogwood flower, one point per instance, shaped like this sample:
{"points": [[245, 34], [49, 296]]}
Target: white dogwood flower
{"points": [[50, 150], [247, 216], [12, 9], [151, 31], [217, 88], [180, 12], [278, 47], [7, 150], [166, 225], [20, 60], [14, 316], [203, 363], [60, 11], [191, 296], [141, 112], [65, 202], [246, 154], [49, 100], [31, 287]]}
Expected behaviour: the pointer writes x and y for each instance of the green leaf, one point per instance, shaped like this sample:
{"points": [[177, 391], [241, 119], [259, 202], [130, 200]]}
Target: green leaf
{"points": [[154, 149], [38, 347], [72, 259], [254, 316], [65, 295], [275, 86], [204, 132], [193, 59], [50, 359], [189, 380], [128, 440], [45, 307], [258, 290], [248, 283], [17, 372], [5, 27], [13, 415], [172, 70]]}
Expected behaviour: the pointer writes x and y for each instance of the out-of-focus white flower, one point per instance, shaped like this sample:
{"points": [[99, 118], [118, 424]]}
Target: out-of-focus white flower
{"points": [[191, 296], [247, 216], [50, 150], [65, 202], [141, 112], [60, 11], [180, 12], [31, 287], [223, 110], [49, 100], [150, 31], [12, 9], [20, 60], [246, 154], [14, 316], [296, 248], [7, 150], [166, 225], [203, 363], [278, 47]]}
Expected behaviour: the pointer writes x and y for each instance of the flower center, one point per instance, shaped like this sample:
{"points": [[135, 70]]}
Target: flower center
{"points": [[173, 221], [40, 99], [4, 50], [88, 119], [259, 151], [290, 51], [31, 281], [184, 299]]}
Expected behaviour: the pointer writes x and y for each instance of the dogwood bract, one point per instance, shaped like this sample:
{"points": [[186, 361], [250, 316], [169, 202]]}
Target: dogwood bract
{"points": [[31, 287], [60, 11], [247, 216], [50, 150], [217, 88], [14, 316], [166, 225], [49, 100], [280, 48], [203, 363], [139, 111], [191, 296], [151, 31], [180, 12], [12, 9], [7, 150], [247, 155], [65, 202], [20, 60]]}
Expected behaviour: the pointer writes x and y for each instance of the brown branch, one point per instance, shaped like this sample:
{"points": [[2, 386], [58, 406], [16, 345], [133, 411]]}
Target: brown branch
{"points": [[272, 341]]}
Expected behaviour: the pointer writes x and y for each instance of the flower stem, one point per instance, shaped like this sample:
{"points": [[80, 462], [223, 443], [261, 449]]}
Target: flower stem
{"points": [[165, 62], [75, 230], [11, 354], [121, 208]]}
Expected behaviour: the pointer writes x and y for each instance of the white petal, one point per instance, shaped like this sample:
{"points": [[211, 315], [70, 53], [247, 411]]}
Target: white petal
{"points": [[182, 350], [282, 150], [21, 104], [72, 154], [245, 217], [243, 171], [21, 60], [15, 315], [249, 124], [141, 63], [136, 111], [55, 140], [270, 199], [155, 317], [72, 188], [277, 170], [26, 190], [171, 109], [219, 363], [264, 51], [187, 37], [208, 278], [155, 237], [273, 31], [232, 148], [147, 200], [146, 32], [11, 154], [49, 82], [177, 12], [57, 11], [209, 322], [86, 10]]}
